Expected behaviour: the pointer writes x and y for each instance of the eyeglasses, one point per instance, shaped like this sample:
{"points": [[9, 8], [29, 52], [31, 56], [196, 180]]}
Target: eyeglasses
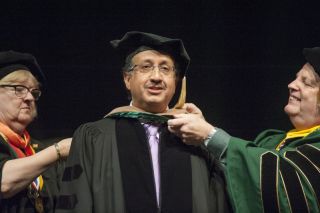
{"points": [[147, 68], [22, 91]]}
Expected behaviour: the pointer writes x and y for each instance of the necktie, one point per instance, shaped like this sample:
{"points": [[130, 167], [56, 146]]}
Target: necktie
{"points": [[153, 138]]}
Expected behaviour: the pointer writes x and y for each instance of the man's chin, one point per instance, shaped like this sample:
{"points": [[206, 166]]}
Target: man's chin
{"points": [[155, 100], [156, 107]]}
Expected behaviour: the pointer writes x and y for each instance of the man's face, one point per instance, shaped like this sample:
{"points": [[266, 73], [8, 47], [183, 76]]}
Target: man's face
{"points": [[15, 110], [151, 91], [303, 107]]}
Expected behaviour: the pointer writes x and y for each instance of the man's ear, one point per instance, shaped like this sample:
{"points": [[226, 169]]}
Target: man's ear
{"points": [[126, 78]]}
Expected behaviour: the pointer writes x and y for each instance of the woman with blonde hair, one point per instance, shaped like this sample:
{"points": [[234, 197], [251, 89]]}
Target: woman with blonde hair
{"points": [[28, 184]]}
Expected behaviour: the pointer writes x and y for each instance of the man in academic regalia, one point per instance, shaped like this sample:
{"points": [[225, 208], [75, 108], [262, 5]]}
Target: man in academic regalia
{"points": [[129, 161], [278, 171]]}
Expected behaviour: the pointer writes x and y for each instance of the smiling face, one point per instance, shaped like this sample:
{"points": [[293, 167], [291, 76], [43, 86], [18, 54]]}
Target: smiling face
{"points": [[151, 91], [303, 104], [15, 112]]}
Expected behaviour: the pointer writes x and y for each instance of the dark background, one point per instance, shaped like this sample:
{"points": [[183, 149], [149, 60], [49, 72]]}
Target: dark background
{"points": [[244, 53]]}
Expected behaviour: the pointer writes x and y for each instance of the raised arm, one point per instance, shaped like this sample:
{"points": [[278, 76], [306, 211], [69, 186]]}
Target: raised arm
{"points": [[17, 174]]}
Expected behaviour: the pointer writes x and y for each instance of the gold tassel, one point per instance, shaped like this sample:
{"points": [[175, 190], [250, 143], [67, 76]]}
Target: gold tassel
{"points": [[183, 94]]}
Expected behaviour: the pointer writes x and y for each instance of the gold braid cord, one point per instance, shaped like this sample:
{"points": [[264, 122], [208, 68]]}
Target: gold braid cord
{"points": [[183, 94]]}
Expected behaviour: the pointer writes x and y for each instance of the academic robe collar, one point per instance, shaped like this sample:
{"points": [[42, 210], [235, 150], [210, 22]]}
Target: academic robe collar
{"points": [[134, 112]]}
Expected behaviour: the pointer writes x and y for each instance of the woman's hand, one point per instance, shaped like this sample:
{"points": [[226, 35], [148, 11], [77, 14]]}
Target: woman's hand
{"points": [[64, 147]]}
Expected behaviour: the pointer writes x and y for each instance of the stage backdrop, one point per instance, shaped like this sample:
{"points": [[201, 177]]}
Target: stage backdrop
{"points": [[243, 55]]}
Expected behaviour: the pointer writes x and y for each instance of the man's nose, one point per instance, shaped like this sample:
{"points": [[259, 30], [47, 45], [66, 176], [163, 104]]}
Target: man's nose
{"points": [[156, 73]]}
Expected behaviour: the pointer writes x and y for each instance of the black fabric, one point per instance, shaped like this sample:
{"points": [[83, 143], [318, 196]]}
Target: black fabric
{"points": [[11, 68], [99, 186], [312, 55], [136, 167], [72, 172], [12, 60], [66, 202], [308, 169], [176, 177], [293, 187], [133, 40], [20, 202], [107, 177], [269, 163], [312, 153], [137, 173]]}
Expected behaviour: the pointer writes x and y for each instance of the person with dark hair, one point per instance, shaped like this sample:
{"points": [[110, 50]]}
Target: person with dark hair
{"points": [[129, 161], [26, 183], [278, 171]]}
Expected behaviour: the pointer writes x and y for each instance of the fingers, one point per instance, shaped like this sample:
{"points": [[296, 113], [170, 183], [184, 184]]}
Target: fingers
{"points": [[175, 130], [177, 121], [186, 137], [183, 119], [191, 108], [189, 127], [190, 142]]}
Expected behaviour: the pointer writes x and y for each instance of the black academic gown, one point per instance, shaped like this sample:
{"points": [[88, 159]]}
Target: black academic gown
{"points": [[109, 169], [20, 203]]}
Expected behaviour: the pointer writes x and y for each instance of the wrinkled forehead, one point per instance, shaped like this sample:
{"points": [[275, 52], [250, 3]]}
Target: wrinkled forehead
{"points": [[308, 71]]}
